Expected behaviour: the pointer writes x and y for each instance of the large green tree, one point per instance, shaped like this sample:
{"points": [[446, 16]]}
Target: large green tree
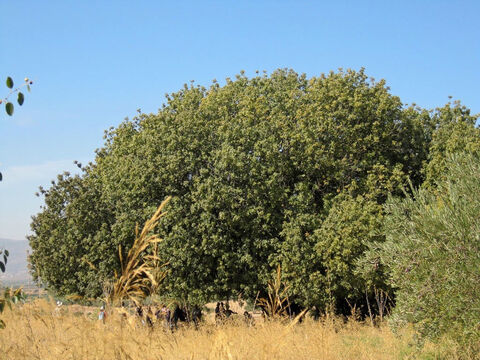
{"points": [[261, 171]]}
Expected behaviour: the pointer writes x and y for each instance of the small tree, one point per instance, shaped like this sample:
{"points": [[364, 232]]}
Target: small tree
{"points": [[432, 254]]}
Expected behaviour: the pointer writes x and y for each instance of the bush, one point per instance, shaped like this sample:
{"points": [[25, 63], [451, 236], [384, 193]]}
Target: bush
{"points": [[432, 254]]}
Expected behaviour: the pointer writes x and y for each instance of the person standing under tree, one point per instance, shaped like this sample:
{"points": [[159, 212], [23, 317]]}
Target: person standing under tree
{"points": [[102, 314]]}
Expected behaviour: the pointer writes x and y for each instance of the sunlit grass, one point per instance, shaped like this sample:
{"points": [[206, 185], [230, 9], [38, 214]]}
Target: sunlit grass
{"points": [[38, 331]]}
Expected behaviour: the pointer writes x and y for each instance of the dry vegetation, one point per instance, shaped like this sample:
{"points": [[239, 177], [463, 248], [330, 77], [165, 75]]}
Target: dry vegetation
{"points": [[38, 331], [140, 273], [41, 330]]}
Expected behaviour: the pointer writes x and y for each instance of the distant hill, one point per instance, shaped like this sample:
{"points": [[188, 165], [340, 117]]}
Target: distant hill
{"points": [[17, 271]]}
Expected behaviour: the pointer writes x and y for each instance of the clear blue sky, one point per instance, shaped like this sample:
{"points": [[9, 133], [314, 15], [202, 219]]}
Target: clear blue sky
{"points": [[96, 62]]}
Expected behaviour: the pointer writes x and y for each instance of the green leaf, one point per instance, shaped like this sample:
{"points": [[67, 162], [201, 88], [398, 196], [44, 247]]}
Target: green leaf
{"points": [[2, 324], [9, 82], [2, 267], [5, 258], [7, 253], [9, 108], [2, 305], [1, 177], [20, 99], [28, 88]]}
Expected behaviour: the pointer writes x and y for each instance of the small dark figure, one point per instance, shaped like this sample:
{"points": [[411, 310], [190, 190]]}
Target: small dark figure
{"points": [[293, 310], [315, 313], [229, 313], [168, 318], [264, 311], [196, 315], [178, 315], [158, 314], [148, 317], [165, 313], [248, 318], [220, 313], [139, 312], [219, 308], [102, 315]]}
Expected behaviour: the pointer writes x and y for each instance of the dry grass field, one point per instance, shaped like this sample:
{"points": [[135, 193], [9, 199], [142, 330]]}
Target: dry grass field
{"points": [[38, 331]]}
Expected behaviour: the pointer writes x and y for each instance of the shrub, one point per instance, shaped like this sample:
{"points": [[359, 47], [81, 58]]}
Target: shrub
{"points": [[432, 254]]}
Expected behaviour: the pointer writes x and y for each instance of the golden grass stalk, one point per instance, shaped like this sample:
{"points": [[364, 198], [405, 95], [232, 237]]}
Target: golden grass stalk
{"points": [[140, 273], [277, 302]]}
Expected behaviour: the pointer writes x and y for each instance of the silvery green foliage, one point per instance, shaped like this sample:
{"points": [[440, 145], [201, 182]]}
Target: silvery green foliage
{"points": [[432, 253]]}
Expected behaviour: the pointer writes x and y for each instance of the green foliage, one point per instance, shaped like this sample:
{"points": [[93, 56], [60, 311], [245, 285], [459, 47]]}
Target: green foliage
{"points": [[358, 147], [68, 236], [9, 82], [9, 107], [351, 224], [455, 132], [20, 98], [270, 170], [432, 253], [10, 296], [3, 259]]}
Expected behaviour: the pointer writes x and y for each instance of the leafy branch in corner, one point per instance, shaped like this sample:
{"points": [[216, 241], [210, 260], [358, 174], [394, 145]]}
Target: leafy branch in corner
{"points": [[10, 295], [3, 262], [9, 107]]}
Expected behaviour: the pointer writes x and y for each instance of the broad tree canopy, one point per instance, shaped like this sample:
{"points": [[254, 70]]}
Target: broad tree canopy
{"points": [[263, 171]]}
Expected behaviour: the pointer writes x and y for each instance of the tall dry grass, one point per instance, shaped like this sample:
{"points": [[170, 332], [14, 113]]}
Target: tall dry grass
{"points": [[276, 302], [140, 274], [38, 331]]}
